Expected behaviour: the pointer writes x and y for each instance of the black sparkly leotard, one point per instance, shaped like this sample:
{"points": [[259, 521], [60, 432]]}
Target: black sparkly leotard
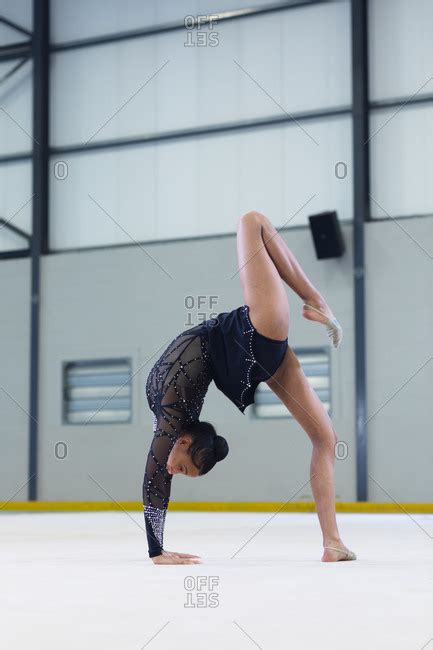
{"points": [[229, 351]]}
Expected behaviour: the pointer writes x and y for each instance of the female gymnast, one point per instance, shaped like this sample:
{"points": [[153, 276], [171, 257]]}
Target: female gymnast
{"points": [[238, 350]]}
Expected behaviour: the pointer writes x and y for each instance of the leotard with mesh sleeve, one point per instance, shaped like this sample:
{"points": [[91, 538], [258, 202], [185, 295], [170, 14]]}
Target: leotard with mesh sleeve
{"points": [[175, 390]]}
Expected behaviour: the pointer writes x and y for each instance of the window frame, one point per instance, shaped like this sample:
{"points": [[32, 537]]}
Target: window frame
{"points": [[105, 361], [299, 351]]}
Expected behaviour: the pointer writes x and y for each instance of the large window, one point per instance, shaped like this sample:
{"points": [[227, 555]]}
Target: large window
{"points": [[172, 85], [249, 126], [16, 127], [401, 92], [174, 135], [15, 204], [200, 186]]}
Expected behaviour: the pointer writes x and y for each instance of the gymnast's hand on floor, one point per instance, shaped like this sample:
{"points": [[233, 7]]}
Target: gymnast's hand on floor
{"points": [[170, 557]]}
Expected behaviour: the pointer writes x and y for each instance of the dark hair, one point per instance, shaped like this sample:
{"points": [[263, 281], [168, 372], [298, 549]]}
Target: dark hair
{"points": [[206, 448]]}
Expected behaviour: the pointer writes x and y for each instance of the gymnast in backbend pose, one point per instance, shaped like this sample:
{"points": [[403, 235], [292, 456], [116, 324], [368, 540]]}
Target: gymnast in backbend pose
{"points": [[238, 350]]}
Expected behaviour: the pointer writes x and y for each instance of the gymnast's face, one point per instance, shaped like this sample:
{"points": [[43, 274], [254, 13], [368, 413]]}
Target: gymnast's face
{"points": [[179, 461]]}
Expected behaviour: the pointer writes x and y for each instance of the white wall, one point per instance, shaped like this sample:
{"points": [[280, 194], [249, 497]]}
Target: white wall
{"points": [[119, 302], [399, 313]]}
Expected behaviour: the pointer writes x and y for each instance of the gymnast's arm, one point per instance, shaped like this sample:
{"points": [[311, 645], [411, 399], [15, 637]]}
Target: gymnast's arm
{"points": [[157, 484]]}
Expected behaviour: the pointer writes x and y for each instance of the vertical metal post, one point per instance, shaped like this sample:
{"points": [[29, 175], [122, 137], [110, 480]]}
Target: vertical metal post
{"points": [[361, 204], [40, 53]]}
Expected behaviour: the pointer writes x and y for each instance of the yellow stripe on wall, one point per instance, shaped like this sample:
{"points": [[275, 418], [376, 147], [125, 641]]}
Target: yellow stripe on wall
{"points": [[215, 506]]}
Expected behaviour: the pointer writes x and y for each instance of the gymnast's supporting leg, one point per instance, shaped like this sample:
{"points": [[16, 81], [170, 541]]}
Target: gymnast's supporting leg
{"points": [[264, 259], [290, 384]]}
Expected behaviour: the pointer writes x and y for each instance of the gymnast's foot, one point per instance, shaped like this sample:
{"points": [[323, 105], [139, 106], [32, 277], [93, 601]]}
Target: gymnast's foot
{"points": [[317, 310], [335, 551], [321, 306]]}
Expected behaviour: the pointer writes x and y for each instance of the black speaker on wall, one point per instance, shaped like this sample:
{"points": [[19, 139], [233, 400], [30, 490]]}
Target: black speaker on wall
{"points": [[327, 235]]}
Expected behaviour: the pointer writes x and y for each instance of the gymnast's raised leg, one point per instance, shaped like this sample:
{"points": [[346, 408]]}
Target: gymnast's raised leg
{"points": [[264, 261]]}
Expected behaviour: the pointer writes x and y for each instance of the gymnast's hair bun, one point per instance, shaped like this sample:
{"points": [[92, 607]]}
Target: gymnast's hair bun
{"points": [[221, 448], [207, 447]]}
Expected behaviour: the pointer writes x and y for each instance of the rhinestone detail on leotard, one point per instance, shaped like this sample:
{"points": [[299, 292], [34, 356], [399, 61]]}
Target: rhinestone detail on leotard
{"points": [[156, 517], [251, 358]]}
